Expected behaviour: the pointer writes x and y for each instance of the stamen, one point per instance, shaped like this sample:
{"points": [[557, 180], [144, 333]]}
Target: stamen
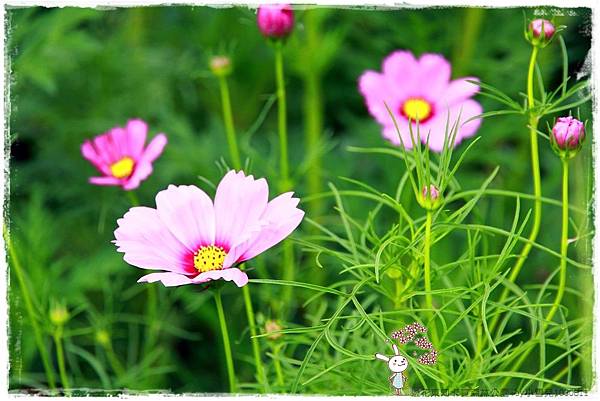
{"points": [[123, 168], [209, 258], [417, 109]]}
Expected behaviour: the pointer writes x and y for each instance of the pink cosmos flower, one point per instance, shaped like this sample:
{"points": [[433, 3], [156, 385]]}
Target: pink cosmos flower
{"points": [[420, 89], [275, 20], [120, 156], [194, 240]]}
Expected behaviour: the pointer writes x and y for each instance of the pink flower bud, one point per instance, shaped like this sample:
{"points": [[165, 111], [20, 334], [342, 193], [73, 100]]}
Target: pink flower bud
{"points": [[568, 133], [275, 21], [434, 194], [220, 65], [537, 25]]}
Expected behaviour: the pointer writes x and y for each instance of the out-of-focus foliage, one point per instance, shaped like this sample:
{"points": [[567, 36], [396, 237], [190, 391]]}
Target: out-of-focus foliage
{"points": [[74, 73]]}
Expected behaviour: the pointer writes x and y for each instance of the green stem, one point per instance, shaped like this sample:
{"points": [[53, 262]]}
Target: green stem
{"points": [[133, 199], [260, 373], [277, 363], [229, 127], [60, 357], [427, 274], [17, 268], [226, 343], [563, 241], [282, 114], [537, 185], [116, 365]]}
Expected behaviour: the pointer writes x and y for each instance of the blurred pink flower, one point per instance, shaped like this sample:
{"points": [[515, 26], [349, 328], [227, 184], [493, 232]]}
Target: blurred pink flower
{"points": [[275, 20], [420, 89], [194, 240], [121, 157]]}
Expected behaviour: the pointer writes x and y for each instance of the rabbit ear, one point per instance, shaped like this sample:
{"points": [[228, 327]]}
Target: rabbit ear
{"points": [[395, 348], [382, 357]]}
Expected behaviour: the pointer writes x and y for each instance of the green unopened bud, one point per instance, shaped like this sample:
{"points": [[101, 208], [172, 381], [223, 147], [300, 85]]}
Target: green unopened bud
{"points": [[220, 66], [430, 197], [103, 338], [59, 315]]}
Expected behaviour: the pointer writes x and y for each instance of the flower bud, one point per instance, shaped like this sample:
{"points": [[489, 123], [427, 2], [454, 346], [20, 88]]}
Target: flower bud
{"points": [[275, 21], [59, 315], [540, 32], [103, 337], [272, 326], [433, 194], [430, 196], [542, 27], [567, 136], [220, 65]]}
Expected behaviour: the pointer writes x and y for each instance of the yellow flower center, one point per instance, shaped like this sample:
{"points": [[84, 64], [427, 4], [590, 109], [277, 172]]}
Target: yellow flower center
{"points": [[417, 109], [123, 168], [209, 258]]}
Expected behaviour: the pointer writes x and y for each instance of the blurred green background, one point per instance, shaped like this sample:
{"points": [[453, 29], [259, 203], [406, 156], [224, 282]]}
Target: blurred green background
{"points": [[75, 73]]}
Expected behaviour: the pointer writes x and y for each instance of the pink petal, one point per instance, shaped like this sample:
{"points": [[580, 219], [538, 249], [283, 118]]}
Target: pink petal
{"points": [[466, 110], [189, 214], [459, 90], [105, 149], [400, 69], [119, 143], [105, 181], [143, 166], [376, 92], [136, 136], [239, 203], [233, 274], [434, 75], [391, 134], [89, 153], [281, 217], [168, 279], [154, 148], [149, 244]]}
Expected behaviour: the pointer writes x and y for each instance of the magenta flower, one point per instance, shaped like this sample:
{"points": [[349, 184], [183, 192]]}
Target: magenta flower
{"points": [[568, 133], [121, 157], [194, 240], [420, 90], [539, 26], [275, 21]]}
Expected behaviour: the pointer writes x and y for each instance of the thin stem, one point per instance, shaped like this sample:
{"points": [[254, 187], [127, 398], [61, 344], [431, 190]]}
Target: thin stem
{"points": [[537, 185], [133, 199], [563, 241], [229, 127], [427, 274], [260, 372], [60, 357], [226, 343], [17, 268], [282, 114], [277, 363]]}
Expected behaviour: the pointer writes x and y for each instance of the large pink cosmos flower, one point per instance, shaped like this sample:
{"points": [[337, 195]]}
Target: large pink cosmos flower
{"points": [[120, 156], [194, 240], [420, 90]]}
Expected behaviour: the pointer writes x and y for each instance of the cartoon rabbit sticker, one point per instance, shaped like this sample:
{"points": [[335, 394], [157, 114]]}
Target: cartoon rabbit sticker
{"points": [[397, 364]]}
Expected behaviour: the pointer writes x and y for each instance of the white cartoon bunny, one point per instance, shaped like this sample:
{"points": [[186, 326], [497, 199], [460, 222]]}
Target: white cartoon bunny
{"points": [[397, 364]]}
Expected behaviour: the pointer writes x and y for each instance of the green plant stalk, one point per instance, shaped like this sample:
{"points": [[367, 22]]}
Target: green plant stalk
{"points": [[17, 268], [563, 242], [226, 343], [133, 199], [116, 365], [537, 184], [313, 114], [427, 276], [282, 118], [284, 183], [234, 153], [60, 357], [277, 363], [260, 372], [463, 51]]}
